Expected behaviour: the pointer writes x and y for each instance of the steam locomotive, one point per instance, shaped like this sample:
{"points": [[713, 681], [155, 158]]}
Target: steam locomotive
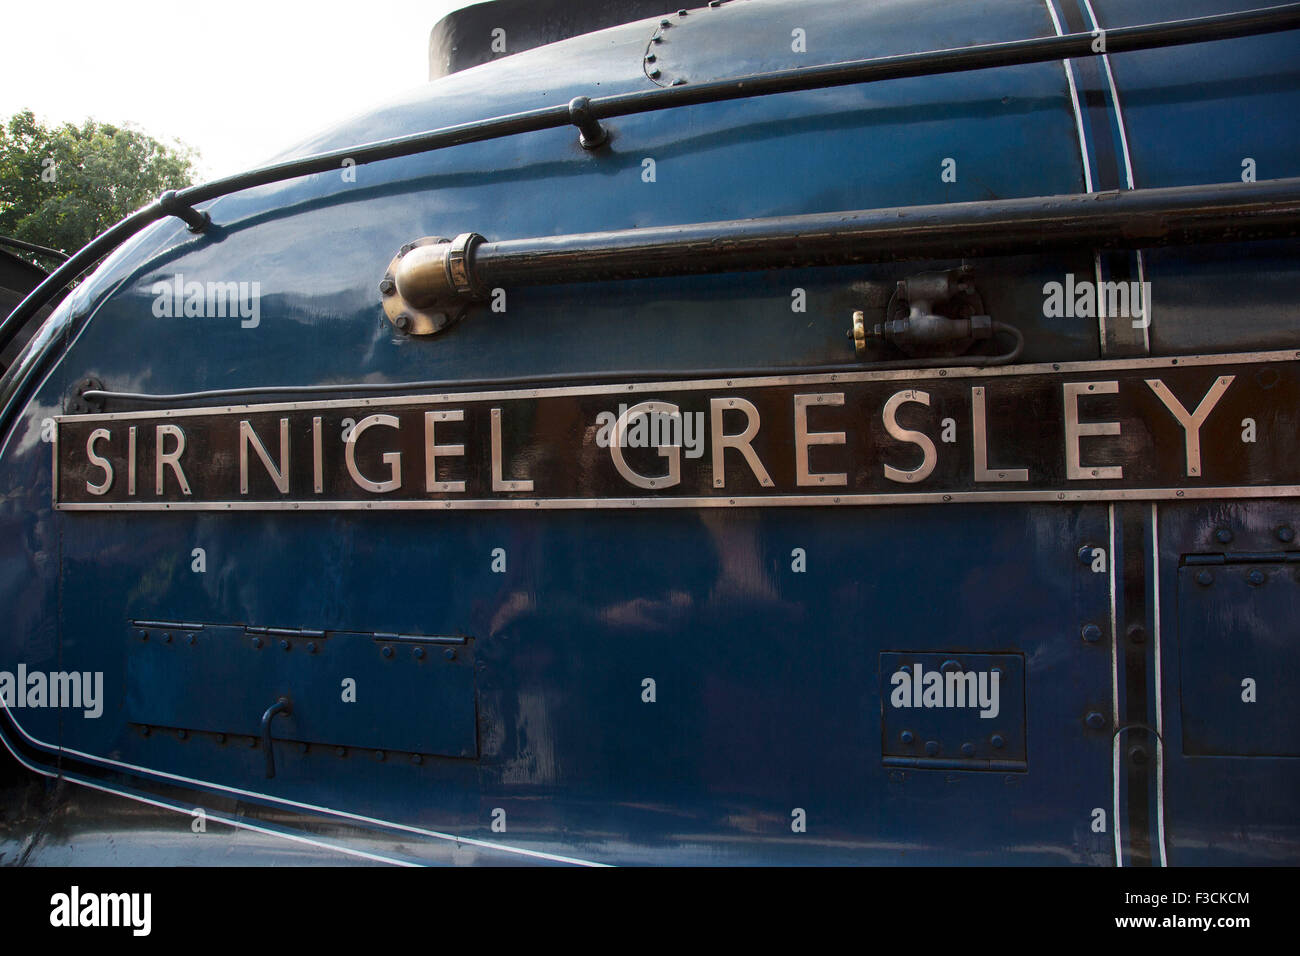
{"points": [[763, 432]]}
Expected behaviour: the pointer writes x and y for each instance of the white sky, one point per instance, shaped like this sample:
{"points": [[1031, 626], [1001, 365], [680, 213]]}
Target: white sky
{"points": [[238, 80]]}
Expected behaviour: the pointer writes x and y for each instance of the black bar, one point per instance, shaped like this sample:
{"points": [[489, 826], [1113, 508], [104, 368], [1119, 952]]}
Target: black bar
{"points": [[82, 260], [32, 247], [1146, 36], [1126, 219]]}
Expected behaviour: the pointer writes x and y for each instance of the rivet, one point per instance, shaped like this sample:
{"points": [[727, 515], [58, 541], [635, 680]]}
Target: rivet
{"points": [[182, 735], [285, 645], [1137, 634], [654, 74], [167, 638], [380, 755], [145, 731], [311, 647], [931, 747], [387, 286], [417, 759], [968, 750], [681, 13], [1085, 555], [450, 653], [221, 738], [649, 57], [303, 748], [665, 23], [1204, 578], [252, 741], [680, 81], [998, 741], [419, 653], [906, 737], [387, 652], [1223, 535], [1138, 755], [189, 638], [1091, 633], [1095, 720], [403, 321], [1255, 576], [950, 667], [257, 642], [341, 751], [1285, 534]]}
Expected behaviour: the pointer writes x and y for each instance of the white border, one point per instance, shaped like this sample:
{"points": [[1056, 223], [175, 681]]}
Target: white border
{"points": [[280, 801]]}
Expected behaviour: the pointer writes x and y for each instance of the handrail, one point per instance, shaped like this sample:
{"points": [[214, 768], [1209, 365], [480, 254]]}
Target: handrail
{"points": [[13, 243], [1119, 219], [583, 111]]}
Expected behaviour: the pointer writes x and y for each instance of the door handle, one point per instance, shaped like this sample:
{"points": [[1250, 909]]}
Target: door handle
{"points": [[281, 706]]}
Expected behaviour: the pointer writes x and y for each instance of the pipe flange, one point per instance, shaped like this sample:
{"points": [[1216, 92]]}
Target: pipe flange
{"points": [[422, 292], [79, 404]]}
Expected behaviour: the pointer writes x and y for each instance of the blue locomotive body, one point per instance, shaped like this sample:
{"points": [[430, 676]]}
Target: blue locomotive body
{"points": [[611, 681]]}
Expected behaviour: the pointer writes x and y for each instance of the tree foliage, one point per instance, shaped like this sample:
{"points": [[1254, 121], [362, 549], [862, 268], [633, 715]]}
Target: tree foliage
{"points": [[61, 186]]}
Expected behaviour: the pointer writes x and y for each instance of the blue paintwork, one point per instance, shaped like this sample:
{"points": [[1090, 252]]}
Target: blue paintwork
{"points": [[768, 686]]}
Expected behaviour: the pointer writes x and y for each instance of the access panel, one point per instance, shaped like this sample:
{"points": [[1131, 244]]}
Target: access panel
{"points": [[1240, 655], [957, 711], [406, 693]]}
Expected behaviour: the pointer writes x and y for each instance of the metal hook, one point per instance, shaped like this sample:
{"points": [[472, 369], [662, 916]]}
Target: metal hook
{"points": [[281, 706]]}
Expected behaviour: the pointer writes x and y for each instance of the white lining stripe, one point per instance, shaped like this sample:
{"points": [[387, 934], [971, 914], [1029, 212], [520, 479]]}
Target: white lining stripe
{"points": [[208, 814], [1122, 126], [282, 801], [1074, 100], [1160, 727], [1114, 691], [1128, 165], [1114, 99]]}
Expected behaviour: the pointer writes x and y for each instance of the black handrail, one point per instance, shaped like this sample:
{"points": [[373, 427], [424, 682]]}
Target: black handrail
{"points": [[1122, 219], [985, 56], [13, 243]]}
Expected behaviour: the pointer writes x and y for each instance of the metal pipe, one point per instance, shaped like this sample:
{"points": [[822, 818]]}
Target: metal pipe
{"points": [[985, 56], [1138, 218]]}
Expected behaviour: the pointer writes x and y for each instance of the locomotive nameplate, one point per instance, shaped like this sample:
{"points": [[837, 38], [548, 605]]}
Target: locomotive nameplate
{"points": [[1218, 426]]}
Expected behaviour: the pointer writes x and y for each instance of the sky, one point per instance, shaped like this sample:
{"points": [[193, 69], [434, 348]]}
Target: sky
{"points": [[237, 80]]}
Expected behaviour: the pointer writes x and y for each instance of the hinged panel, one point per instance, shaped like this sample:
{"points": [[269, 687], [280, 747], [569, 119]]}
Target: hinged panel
{"points": [[1239, 658], [378, 691]]}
